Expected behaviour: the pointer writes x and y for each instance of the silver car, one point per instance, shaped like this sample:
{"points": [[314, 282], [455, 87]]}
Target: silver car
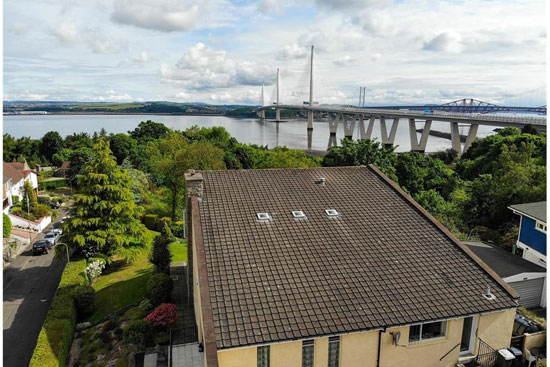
{"points": [[51, 238]]}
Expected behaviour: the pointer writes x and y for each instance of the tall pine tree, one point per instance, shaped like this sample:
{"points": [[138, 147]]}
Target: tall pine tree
{"points": [[103, 215]]}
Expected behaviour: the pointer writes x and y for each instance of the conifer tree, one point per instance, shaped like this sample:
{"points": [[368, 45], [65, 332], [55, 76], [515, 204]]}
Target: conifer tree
{"points": [[29, 202], [160, 253], [104, 217]]}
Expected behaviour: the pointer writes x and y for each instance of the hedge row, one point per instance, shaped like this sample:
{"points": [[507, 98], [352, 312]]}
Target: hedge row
{"points": [[154, 223], [56, 335], [52, 185]]}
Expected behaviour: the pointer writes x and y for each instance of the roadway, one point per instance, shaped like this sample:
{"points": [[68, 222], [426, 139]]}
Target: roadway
{"points": [[464, 118], [29, 285]]}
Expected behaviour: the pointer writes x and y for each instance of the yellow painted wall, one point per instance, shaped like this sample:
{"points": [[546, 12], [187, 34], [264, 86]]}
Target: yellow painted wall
{"points": [[360, 349], [495, 328], [240, 357]]}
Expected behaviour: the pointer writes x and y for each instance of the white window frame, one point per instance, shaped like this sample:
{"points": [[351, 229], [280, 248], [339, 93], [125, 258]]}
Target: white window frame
{"points": [[542, 226], [420, 339]]}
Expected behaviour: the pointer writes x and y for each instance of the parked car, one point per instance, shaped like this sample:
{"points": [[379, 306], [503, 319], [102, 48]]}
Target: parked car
{"points": [[57, 231], [52, 205], [51, 238], [39, 247], [63, 219]]}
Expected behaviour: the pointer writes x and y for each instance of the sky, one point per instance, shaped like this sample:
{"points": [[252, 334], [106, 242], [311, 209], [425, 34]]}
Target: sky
{"points": [[221, 51]]}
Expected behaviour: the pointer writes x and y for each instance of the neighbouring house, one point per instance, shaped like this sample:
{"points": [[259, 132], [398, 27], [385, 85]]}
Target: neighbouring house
{"points": [[15, 174], [333, 267], [525, 277], [531, 243], [63, 170]]}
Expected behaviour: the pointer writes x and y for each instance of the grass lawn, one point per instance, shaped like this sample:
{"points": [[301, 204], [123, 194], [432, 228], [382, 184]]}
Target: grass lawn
{"points": [[122, 284], [178, 250]]}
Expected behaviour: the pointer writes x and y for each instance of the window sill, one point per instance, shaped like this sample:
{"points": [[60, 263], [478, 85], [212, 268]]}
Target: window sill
{"points": [[431, 341]]}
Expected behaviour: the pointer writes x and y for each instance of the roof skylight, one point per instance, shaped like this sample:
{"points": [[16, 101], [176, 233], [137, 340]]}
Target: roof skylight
{"points": [[298, 214], [332, 213], [263, 217]]}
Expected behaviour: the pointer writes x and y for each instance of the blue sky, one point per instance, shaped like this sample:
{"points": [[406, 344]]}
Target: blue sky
{"points": [[221, 51]]}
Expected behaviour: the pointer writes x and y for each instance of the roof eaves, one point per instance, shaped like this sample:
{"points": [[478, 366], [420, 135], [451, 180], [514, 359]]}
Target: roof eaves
{"points": [[447, 233], [210, 347]]}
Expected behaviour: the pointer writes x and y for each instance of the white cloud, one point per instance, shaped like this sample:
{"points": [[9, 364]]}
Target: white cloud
{"points": [[66, 33], [344, 60], [160, 15], [202, 67], [18, 28], [293, 51], [351, 4], [112, 96], [269, 6], [447, 42]]}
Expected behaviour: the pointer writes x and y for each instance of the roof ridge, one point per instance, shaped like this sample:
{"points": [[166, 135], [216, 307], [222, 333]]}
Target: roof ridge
{"points": [[446, 232], [279, 169]]}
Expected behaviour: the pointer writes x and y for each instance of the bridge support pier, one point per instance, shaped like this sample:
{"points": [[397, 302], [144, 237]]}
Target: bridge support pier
{"points": [[415, 145], [310, 120], [278, 115], [471, 137], [455, 138], [349, 126], [388, 140], [333, 127], [262, 114], [368, 133]]}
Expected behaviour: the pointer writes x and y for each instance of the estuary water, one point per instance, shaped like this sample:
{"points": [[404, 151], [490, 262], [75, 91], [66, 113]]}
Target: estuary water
{"points": [[292, 133]]}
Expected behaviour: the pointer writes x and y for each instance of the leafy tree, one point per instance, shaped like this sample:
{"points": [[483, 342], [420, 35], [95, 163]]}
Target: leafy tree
{"points": [[78, 140], [216, 135], [362, 152], [122, 146], [61, 156], [103, 214], [51, 143], [139, 183], [160, 255], [78, 159], [282, 157], [417, 172], [9, 148], [149, 130], [443, 211]]}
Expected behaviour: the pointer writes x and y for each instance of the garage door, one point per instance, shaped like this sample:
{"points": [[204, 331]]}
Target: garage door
{"points": [[530, 291]]}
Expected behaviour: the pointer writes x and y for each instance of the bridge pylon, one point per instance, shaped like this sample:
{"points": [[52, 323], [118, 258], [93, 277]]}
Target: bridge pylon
{"points": [[310, 112]]}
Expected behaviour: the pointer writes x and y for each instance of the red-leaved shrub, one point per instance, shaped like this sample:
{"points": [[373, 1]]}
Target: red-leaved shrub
{"points": [[164, 316]]}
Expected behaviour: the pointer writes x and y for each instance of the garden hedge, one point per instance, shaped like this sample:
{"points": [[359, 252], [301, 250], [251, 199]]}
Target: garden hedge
{"points": [[150, 221], [52, 185], [6, 225], [56, 335]]}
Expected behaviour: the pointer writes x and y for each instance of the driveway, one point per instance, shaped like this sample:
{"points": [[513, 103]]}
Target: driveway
{"points": [[29, 285]]}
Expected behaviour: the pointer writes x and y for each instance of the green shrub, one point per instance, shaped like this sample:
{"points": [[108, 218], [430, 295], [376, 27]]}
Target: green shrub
{"points": [[84, 300], [15, 199], [6, 225], [43, 199], [177, 228], [159, 288], [160, 223], [55, 338], [138, 332], [145, 305], [150, 221], [52, 185], [134, 313]]}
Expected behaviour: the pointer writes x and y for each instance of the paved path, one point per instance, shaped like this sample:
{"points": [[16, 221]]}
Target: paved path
{"points": [[29, 286], [185, 330]]}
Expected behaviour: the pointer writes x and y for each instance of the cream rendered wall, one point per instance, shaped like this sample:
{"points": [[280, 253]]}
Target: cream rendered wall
{"points": [[360, 349], [240, 357], [495, 328], [424, 353]]}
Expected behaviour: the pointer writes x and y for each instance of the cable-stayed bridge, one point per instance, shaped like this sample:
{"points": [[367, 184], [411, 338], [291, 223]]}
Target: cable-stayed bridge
{"points": [[466, 112]]}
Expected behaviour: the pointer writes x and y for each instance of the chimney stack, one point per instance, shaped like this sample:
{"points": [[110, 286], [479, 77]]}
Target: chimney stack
{"points": [[193, 181]]}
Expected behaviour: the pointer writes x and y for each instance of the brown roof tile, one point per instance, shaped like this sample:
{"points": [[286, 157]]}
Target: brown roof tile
{"points": [[382, 262]]}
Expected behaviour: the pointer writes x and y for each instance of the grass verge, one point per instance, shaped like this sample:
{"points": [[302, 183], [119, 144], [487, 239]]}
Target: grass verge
{"points": [[122, 284], [178, 250]]}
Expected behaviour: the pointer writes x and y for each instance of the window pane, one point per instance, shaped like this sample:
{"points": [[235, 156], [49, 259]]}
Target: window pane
{"points": [[263, 356], [333, 351], [414, 333], [307, 353], [433, 330]]}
